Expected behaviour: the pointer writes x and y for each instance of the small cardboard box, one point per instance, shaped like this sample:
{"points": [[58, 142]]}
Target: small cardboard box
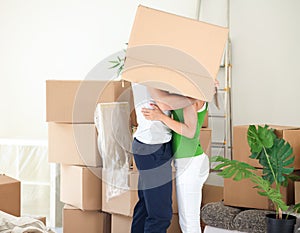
{"points": [[122, 224], [241, 149], [10, 195], [78, 221], [174, 53], [81, 187], [73, 144], [74, 101], [243, 194], [124, 203]]}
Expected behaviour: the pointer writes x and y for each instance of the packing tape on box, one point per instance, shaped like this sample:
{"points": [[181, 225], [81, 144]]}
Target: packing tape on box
{"points": [[112, 121]]}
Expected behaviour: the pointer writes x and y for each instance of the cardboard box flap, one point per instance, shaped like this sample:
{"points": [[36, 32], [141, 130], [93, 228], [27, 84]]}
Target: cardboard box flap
{"points": [[7, 180], [183, 51], [280, 127]]}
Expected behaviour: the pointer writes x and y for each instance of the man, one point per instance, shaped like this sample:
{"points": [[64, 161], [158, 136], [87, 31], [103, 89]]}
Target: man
{"points": [[152, 152]]}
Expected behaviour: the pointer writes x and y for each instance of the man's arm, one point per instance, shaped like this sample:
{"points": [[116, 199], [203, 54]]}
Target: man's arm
{"points": [[167, 101]]}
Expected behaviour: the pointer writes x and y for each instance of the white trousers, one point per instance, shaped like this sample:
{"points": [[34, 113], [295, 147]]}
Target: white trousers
{"points": [[191, 173]]}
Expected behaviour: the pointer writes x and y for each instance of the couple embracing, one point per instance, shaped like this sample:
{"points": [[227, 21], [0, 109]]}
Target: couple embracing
{"points": [[168, 129]]}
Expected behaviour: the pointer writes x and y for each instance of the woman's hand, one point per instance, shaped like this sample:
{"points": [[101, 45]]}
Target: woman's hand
{"points": [[154, 114]]}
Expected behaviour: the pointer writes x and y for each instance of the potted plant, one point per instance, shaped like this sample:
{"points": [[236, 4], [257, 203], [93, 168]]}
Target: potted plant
{"points": [[276, 157]]}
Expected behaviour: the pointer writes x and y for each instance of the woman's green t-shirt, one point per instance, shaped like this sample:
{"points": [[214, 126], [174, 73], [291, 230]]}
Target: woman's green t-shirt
{"points": [[184, 147]]}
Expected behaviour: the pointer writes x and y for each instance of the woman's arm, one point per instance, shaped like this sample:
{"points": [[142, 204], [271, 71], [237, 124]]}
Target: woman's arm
{"points": [[187, 129], [167, 101]]}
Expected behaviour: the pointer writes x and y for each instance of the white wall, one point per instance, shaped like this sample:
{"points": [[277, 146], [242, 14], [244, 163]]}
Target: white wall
{"points": [[266, 80], [58, 39]]}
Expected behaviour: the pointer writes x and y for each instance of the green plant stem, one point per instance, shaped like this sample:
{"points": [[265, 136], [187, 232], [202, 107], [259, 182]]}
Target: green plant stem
{"points": [[278, 210], [269, 162]]}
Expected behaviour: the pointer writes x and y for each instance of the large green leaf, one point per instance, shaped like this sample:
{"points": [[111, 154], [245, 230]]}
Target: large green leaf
{"points": [[274, 154], [277, 162], [260, 138], [239, 170]]}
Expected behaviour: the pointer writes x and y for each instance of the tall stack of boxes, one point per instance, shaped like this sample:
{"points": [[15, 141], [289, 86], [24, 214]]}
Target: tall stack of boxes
{"points": [[72, 139], [242, 193]]}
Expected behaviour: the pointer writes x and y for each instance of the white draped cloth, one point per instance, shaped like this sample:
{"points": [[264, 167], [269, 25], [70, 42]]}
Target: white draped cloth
{"points": [[12, 224]]}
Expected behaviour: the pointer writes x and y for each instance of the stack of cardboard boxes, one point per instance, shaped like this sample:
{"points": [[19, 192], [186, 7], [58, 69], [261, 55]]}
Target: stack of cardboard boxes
{"points": [[73, 144], [242, 193], [72, 138]]}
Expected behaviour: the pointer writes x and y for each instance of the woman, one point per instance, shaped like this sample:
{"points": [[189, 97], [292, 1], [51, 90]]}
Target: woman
{"points": [[191, 163]]}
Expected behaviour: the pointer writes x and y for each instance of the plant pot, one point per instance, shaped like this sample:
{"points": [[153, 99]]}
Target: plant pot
{"points": [[284, 225]]}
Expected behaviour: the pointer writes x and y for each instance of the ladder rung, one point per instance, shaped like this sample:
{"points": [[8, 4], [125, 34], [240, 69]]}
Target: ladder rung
{"points": [[218, 116], [225, 89], [218, 143], [218, 146]]}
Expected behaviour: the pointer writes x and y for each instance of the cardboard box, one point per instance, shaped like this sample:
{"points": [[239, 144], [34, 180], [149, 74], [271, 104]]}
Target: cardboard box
{"points": [[78, 221], [297, 192], [243, 194], [205, 140], [73, 144], [122, 224], [74, 101], [10, 195], [241, 149], [124, 203], [81, 187], [212, 193], [174, 53]]}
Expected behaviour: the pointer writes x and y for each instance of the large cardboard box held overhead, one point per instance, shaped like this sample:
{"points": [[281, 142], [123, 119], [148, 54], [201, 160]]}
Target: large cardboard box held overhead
{"points": [[81, 187], [78, 221], [10, 195], [243, 194], [241, 149], [174, 53], [124, 203], [122, 224], [74, 101], [73, 144]]}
